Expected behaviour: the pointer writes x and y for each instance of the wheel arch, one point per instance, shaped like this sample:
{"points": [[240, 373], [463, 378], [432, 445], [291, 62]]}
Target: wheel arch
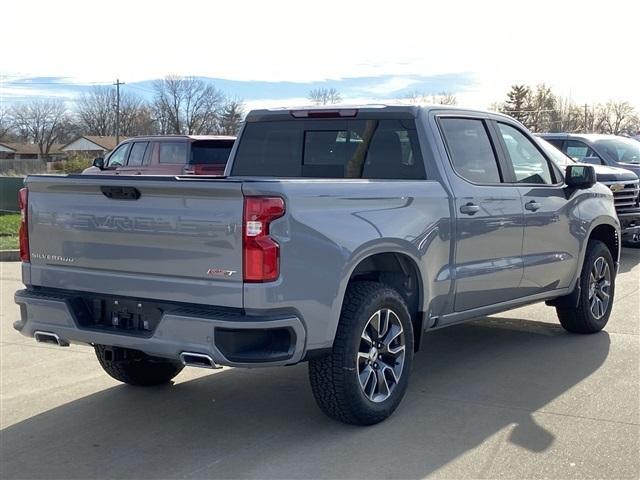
{"points": [[400, 271]]}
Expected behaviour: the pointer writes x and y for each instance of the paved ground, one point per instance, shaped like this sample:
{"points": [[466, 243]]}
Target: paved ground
{"points": [[511, 396]]}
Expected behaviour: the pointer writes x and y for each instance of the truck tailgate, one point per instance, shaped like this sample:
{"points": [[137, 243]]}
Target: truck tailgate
{"points": [[152, 237]]}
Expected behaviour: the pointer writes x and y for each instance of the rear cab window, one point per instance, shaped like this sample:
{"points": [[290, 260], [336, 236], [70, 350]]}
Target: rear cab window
{"points": [[210, 152], [327, 148]]}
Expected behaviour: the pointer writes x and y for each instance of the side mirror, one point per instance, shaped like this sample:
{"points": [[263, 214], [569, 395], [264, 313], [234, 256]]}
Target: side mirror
{"points": [[591, 160], [580, 176], [98, 162]]}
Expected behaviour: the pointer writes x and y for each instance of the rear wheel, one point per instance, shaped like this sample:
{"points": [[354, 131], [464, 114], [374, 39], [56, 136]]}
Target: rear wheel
{"points": [[136, 368], [364, 379], [597, 287]]}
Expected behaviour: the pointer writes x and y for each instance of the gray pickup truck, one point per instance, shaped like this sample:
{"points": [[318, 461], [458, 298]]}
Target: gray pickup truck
{"points": [[338, 237]]}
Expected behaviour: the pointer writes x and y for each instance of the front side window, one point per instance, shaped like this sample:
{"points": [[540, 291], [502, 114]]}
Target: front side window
{"points": [[578, 150], [529, 165], [173, 152], [119, 157], [470, 149]]}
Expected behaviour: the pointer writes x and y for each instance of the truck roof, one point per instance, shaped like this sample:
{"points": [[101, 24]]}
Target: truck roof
{"points": [[346, 111], [586, 136], [187, 138]]}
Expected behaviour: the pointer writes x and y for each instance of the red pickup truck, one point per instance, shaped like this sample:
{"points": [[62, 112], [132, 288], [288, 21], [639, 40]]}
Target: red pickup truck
{"points": [[167, 155]]}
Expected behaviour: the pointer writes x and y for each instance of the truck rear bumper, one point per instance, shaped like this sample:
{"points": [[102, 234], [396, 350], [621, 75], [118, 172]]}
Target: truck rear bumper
{"points": [[232, 339]]}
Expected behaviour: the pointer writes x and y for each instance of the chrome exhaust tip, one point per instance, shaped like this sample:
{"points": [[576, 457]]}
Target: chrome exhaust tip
{"points": [[48, 337], [191, 359]]}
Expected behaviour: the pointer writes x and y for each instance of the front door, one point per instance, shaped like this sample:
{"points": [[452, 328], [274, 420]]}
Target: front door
{"points": [[551, 246], [489, 218]]}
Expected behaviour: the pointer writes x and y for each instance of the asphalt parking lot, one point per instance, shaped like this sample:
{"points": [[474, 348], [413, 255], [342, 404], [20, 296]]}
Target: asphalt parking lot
{"points": [[509, 396]]}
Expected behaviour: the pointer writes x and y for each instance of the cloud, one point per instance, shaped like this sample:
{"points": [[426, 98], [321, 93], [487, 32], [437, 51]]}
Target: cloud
{"points": [[295, 43]]}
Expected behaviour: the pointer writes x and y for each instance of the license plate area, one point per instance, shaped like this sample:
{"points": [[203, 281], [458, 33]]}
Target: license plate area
{"points": [[118, 315]]}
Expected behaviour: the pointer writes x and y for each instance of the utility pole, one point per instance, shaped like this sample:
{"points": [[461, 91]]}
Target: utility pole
{"points": [[586, 116], [117, 84]]}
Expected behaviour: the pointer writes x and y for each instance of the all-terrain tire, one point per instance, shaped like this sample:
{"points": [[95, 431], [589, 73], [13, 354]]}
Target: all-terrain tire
{"points": [[334, 378], [136, 368], [581, 319]]}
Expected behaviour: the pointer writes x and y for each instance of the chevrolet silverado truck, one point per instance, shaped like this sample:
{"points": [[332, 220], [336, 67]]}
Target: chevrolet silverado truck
{"points": [[337, 237]]}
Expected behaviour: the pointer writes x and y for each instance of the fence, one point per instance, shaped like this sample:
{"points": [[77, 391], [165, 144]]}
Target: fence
{"points": [[9, 187], [10, 166]]}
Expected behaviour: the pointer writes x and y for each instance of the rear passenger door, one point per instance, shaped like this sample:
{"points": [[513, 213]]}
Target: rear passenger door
{"points": [[489, 216], [550, 247]]}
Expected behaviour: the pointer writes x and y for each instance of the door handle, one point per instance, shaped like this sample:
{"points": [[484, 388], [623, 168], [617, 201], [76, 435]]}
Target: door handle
{"points": [[469, 209], [532, 205]]}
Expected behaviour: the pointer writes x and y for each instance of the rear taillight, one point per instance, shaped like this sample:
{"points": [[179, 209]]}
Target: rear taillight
{"points": [[261, 253], [23, 234], [204, 169]]}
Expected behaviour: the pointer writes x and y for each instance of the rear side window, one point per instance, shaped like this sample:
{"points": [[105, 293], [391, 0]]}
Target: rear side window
{"points": [[210, 152], [470, 149], [375, 149], [136, 157], [173, 152]]}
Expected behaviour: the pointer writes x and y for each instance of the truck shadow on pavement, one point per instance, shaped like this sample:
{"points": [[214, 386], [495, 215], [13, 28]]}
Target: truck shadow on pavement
{"points": [[469, 383]]}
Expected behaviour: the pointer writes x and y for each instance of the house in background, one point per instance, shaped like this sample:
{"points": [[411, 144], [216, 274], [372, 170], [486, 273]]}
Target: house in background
{"points": [[91, 145], [28, 151]]}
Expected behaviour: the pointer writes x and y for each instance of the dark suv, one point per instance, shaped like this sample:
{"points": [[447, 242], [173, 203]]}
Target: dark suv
{"points": [[610, 150], [167, 155]]}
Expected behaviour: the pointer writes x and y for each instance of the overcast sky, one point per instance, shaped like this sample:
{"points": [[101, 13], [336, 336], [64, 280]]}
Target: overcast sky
{"points": [[587, 50]]}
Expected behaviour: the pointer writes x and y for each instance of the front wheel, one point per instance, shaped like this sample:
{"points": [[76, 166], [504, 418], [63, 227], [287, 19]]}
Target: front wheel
{"points": [[365, 377], [597, 287]]}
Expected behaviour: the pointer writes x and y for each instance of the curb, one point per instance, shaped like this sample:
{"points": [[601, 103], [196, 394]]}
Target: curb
{"points": [[9, 255]]}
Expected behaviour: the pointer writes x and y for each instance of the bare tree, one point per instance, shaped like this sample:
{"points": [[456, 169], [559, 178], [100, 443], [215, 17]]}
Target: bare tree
{"points": [[96, 113], [616, 118], [231, 116], [42, 122], [186, 105], [417, 97], [324, 96], [568, 117], [446, 98], [5, 123]]}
